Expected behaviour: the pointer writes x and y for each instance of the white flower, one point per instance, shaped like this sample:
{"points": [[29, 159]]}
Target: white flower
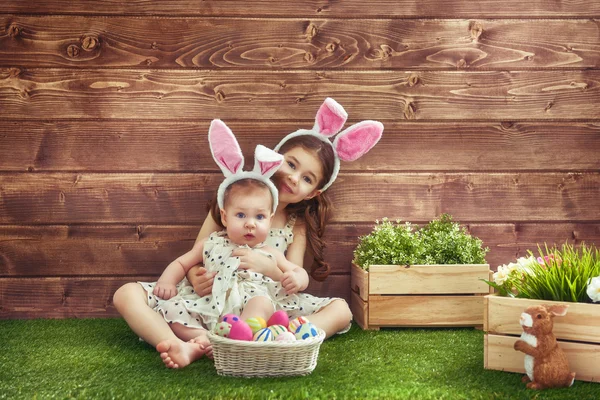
{"points": [[501, 275], [527, 264], [593, 289]]}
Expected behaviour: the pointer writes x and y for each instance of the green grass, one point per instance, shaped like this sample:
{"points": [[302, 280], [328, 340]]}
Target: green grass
{"points": [[102, 358]]}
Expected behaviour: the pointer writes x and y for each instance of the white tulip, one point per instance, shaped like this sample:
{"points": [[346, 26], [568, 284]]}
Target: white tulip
{"points": [[593, 289]]}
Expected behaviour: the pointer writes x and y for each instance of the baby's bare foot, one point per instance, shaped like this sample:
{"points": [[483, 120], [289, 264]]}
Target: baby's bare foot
{"points": [[178, 354]]}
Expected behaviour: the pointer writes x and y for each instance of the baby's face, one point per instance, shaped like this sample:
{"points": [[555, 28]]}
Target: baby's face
{"points": [[247, 217]]}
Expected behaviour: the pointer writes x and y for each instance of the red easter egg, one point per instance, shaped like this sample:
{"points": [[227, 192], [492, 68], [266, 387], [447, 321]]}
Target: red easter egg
{"points": [[240, 331], [279, 318]]}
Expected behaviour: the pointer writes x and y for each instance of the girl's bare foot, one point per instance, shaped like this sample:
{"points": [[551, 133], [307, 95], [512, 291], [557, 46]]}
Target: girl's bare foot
{"points": [[202, 340], [178, 354]]}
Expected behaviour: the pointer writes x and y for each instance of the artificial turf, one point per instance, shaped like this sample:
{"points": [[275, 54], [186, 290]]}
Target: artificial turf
{"points": [[102, 358]]}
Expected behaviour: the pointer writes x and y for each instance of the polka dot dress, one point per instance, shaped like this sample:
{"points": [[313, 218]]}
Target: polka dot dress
{"points": [[232, 288]]}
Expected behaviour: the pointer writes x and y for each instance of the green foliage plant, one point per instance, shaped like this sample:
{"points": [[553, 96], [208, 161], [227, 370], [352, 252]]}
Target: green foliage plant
{"points": [[441, 241], [558, 274]]}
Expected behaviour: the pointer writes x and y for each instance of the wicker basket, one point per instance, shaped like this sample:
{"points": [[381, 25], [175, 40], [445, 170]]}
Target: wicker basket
{"points": [[264, 359]]}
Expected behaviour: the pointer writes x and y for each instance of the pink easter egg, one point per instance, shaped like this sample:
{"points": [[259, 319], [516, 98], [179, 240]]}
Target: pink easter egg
{"points": [[279, 318], [231, 318], [240, 331]]}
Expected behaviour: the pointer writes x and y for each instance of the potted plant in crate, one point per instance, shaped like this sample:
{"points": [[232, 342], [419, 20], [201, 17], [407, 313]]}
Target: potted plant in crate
{"points": [[559, 275], [402, 276]]}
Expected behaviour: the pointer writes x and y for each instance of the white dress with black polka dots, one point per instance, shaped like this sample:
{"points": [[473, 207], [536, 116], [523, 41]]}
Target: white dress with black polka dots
{"points": [[232, 288]]}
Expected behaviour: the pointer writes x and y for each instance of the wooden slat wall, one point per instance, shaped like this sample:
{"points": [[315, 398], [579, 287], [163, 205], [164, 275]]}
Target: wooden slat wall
{"points": [[491, 113]]}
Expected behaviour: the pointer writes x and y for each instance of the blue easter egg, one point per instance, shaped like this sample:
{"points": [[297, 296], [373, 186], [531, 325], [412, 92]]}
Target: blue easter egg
{"points": [[306, 331]]}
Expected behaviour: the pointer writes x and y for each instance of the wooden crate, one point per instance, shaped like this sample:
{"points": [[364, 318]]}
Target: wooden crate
{"points": [[578, 333], [419, 295]]}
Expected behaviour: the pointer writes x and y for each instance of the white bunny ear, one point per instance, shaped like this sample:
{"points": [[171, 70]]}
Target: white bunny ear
{"points": [[331, 117], [266, 161], [357, 140], [225, 148]]}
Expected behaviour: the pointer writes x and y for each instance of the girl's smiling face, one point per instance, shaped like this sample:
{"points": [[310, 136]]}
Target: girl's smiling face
{"points": [[299, 177]]}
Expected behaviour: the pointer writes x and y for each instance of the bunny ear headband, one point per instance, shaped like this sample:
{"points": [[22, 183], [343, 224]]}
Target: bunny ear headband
{"points": [[228, 156], [351, 144]]}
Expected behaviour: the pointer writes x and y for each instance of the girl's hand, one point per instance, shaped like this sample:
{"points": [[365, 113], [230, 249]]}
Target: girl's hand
{"points": [[202, 281], [291, 282], [164, 290], [255, 262]]}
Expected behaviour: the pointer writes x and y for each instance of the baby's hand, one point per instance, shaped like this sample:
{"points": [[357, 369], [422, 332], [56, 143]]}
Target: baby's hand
{"points": [[165, 290], [291, 282]]}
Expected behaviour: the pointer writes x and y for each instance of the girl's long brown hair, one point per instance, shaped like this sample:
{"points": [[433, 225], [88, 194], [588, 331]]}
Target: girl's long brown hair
{"points": [[315, 212]]}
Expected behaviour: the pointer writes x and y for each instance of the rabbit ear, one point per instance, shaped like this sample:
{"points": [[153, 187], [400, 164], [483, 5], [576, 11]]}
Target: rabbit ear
{"points": [[357, 140], [330, 118], [225, 148], [266, 161], [559, 310]]}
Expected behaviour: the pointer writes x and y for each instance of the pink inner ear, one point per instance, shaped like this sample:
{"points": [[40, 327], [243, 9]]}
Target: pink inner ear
{"points": [[225, 147], [330, 119], [231, 165], [357, 142], [266, 166]]}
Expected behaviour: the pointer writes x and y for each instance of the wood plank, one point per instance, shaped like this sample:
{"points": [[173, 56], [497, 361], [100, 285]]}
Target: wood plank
{"points": [[491, 197], [84, 42], [426, 311], [500, 355], [236, 95], [137, 198], [428, 279], [507, 242], [91, 297], [359, 279], [581, 324], [180, 146], [360, 310], [127, 250], [311, 8]]}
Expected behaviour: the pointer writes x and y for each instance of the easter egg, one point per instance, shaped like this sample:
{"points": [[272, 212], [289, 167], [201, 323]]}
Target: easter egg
{"points": [[256, 324], [240, 331], [279, 318], [296, 322], [277, 330], [306, 331], [231, 318], [222, 329], [286, 336], [263, 335]]}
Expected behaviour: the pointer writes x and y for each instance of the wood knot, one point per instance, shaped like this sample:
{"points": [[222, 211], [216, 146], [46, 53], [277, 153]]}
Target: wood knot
{"points": [[506, 125], [89, 43], [331, 47], [308, 57], [476, 29], [413, 79], [220, 96], [14, 30], [409, 110], [154, 46], [548, 106], [73, 51], [14, 72], [462, 63], [311, 32]]}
